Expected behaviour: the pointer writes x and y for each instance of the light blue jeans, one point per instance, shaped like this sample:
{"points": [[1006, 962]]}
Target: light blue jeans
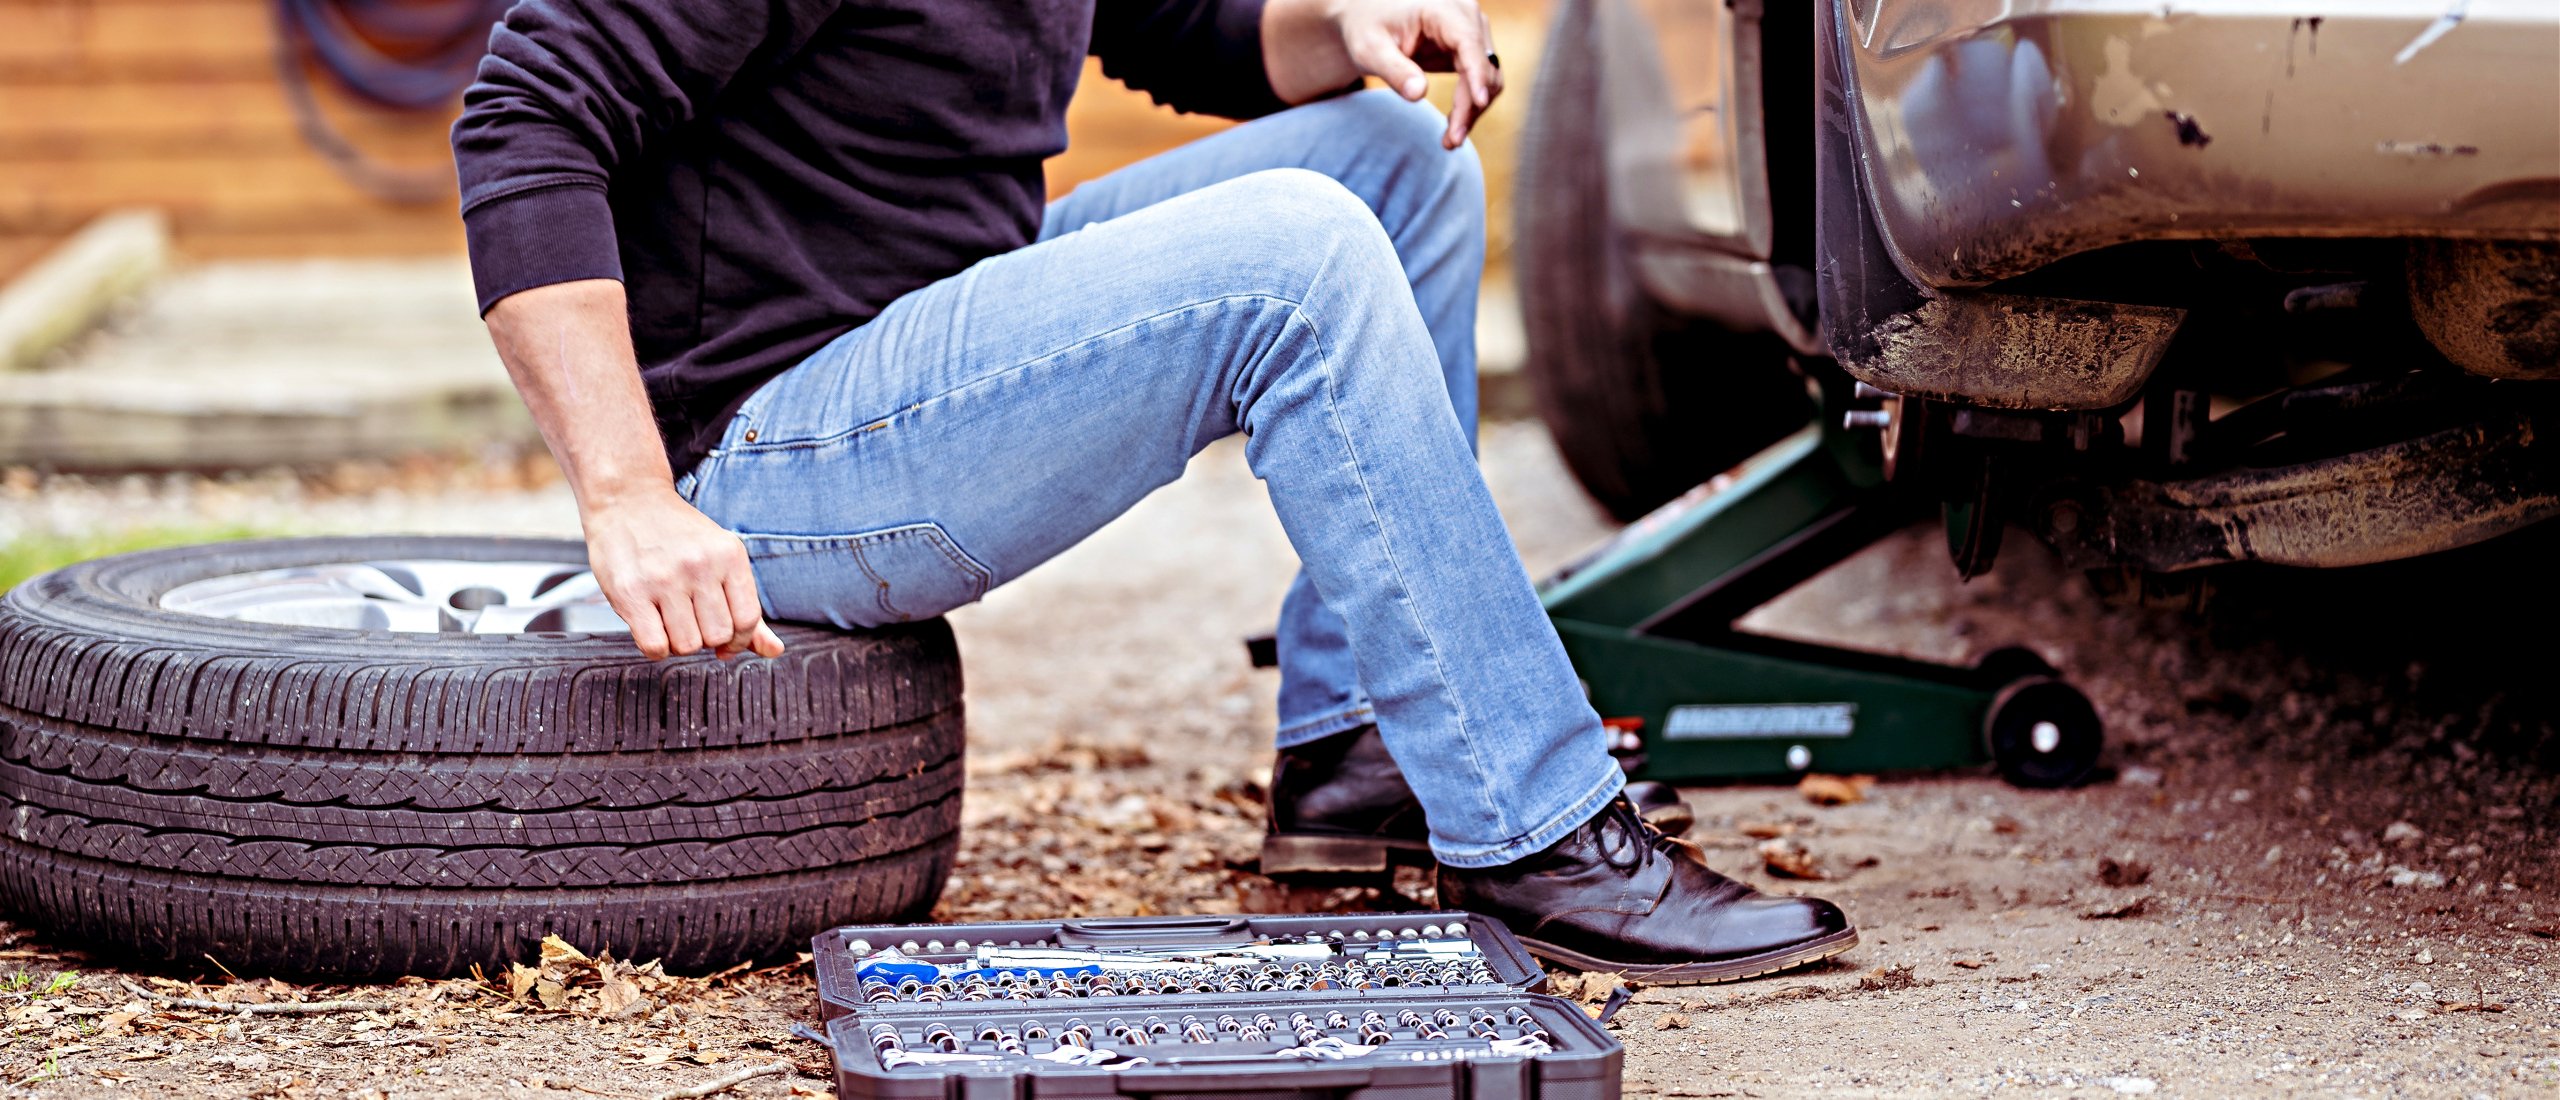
{"points": [[1308, 279]]}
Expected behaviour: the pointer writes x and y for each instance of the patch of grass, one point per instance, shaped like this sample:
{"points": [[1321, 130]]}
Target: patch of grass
{"points": [[26, 557]]}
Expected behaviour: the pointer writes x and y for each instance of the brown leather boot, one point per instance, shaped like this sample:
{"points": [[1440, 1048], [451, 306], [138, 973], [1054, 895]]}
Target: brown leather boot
{"points": [[1618, 895]]}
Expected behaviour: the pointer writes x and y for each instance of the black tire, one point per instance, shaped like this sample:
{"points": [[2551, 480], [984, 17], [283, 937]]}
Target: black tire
{"points": [[1643, 403], [305, 800]]}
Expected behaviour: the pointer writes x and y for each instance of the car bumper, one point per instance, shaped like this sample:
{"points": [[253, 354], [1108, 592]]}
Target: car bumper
{"points": [[1996, 137]]}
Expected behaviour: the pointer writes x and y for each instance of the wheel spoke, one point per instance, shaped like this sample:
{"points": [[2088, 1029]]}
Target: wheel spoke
{"points": [[427, 596]]}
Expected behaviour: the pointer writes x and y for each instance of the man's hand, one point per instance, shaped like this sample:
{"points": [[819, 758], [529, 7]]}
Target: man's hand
{"points": [[1312, 47], [680, 581]]}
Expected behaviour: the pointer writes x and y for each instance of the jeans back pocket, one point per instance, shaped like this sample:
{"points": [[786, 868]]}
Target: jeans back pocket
{"points": [[892, 575]]}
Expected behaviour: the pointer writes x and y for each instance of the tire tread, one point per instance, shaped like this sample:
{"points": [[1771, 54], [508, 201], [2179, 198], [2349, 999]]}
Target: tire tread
{"points": [[303, 801]]}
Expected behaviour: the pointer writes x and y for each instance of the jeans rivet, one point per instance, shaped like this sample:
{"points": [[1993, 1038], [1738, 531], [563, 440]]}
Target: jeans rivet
{"points": [[751, 435]]}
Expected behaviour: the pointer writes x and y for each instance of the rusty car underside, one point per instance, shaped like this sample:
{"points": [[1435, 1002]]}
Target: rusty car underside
{"points": [[2167, 285]]}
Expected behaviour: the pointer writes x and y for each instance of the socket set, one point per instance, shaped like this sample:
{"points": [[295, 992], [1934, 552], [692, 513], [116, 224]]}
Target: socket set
{"points": [[1425, 1005]]}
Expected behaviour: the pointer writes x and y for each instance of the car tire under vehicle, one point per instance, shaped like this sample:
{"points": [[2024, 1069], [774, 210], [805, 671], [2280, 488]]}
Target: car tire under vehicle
{"points": [[1643, 403], [318, 800]]}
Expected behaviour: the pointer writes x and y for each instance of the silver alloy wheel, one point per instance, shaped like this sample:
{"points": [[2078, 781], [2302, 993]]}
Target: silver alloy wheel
{"points": [[424, 596]]}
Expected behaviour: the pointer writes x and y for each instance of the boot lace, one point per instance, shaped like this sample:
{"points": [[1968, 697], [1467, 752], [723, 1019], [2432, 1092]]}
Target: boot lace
{"points": [[1626, 840]]}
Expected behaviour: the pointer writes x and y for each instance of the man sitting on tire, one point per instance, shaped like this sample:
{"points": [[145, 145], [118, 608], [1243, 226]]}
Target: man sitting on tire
{"points": [[805, 240]]}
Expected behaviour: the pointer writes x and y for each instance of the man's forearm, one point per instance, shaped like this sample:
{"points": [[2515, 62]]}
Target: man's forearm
{"points": [[677, 579], [1302, 50], [568, 348]]}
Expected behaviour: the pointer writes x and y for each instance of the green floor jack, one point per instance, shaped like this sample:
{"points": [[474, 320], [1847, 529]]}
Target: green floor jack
{"points": [[1648, 619]]}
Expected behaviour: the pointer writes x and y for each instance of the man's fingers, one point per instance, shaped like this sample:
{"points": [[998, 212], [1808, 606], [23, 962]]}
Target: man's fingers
{"points": [[711, 616], [1380, 56], [1465, 37], [647, 633], [683, 635], [746, 617], [745, 609]]}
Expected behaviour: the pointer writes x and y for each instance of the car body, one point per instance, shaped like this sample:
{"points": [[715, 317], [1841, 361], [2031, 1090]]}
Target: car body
{"points": [[2035, 227]]}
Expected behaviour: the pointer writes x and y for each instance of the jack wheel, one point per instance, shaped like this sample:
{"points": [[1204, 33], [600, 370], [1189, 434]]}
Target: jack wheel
{"points": [[2043, 733], [2011, 662]]}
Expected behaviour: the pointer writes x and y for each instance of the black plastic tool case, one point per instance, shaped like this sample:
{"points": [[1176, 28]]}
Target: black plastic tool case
{"points": [[1583, 1064]]}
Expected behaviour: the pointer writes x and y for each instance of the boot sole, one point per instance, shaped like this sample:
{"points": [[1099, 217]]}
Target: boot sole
{"points": [[1703, 973], [1304, 857]]}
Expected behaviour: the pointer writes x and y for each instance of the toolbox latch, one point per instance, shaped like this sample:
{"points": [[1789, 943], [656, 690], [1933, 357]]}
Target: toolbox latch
{"points": [[1500, 1079]]}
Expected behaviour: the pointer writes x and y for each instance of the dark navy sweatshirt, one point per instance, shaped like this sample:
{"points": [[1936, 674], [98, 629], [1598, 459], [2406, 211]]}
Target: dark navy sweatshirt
{"points": [[765, 175]]}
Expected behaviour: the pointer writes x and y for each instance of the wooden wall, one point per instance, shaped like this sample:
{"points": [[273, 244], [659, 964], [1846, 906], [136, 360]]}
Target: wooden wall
{"points": [[176, 104]]}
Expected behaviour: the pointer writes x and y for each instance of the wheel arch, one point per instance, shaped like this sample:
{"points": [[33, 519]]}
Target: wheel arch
{"points": [[1707, 126]]}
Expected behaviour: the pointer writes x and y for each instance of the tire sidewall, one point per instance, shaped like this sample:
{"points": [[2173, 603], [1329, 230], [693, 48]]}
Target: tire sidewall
{"points": [[119, 596]]}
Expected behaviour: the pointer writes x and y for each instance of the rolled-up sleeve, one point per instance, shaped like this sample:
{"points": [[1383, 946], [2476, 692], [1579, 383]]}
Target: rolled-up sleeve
{"points": [[1203, 56], [571, 88]]}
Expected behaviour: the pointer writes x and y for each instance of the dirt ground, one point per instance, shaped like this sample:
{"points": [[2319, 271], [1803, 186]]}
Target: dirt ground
{"points": [[2322, 861]]}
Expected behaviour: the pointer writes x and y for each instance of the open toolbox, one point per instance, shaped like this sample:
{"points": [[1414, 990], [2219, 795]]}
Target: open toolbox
{"points": [[1405, 1006]]}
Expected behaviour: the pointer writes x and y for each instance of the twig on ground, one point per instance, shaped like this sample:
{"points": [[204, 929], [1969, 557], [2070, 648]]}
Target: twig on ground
{"points": [[272, 1008], [732, 972], [725, 1083]]}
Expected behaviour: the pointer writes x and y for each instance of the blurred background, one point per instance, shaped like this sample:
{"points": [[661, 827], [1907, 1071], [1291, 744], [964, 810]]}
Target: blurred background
{"points": [[232, 295], [266, 135]]}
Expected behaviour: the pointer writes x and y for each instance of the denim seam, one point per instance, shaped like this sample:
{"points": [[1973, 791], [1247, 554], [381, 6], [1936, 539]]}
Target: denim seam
{"points": [[1431, 645], [1331, 723], [771, 447], [879, 587], [1535, 840], [960, 560], [939, 539]]}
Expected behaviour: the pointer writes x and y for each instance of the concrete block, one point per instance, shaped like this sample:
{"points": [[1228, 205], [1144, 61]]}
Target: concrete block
{"points": [[267, 363], [68, 291]]}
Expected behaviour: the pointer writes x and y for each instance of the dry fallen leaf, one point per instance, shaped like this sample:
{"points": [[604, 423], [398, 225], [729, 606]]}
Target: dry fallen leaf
{"points": [[557, 950], [1835, 790], [619, 997], [1766, 830], [1888, 978], [520, 979], [1789, 859], [1670, 1020], [1970, 964], [2131, 872], [2133, 908]]}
